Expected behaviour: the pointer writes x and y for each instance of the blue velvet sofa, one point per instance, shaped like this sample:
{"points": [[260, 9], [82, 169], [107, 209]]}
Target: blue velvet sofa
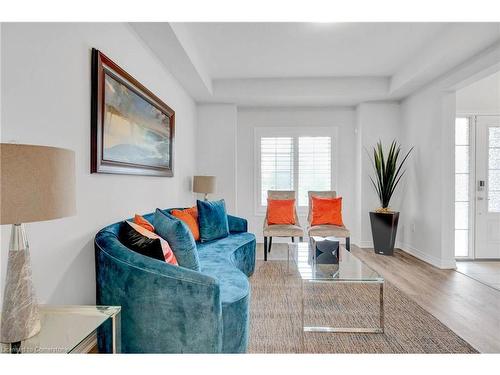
{"points": [[172, 309]]}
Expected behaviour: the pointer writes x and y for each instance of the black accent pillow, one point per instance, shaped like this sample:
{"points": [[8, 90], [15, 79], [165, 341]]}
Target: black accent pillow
{"points": [[150, 247]]}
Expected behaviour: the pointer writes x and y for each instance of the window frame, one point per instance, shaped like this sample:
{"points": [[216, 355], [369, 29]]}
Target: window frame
{"points": [[295, 133]]}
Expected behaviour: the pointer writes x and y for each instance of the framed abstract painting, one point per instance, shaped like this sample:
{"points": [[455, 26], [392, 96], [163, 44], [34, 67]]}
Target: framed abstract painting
{"points": [[132, 130]]}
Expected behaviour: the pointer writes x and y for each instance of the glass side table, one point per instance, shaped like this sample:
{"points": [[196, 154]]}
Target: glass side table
{"points": [[69, 329]]}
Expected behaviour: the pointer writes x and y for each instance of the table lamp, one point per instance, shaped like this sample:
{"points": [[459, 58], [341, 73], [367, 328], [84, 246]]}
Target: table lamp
{"points": [[204, 185], [37, 183]]}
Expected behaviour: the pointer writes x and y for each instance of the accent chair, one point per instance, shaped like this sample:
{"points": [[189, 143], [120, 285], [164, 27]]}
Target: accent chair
{"points": [[279, 230], [326, 230]]}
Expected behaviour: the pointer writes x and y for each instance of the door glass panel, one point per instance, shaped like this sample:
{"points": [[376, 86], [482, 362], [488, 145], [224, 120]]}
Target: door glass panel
{"points": [[494, 180], [494, 169], [494, 201], [494, 136], [494, 158]]}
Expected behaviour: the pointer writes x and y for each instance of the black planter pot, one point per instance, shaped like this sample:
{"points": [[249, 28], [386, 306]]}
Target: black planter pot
{"points": [[384, 229]]}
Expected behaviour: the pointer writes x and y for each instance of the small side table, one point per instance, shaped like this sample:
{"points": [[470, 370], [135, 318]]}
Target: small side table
{"points": [[69, 329]]}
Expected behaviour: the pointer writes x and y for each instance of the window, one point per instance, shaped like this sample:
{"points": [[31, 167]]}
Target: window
{"points": [[462, 183], [291, 159], [276, 165], [315, 166]]}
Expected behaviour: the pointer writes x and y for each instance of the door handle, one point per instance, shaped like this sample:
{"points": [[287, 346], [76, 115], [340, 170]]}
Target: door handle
{"points": [[480, 185]]}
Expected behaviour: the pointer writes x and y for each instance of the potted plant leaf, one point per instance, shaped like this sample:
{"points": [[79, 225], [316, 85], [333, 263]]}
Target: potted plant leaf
{"points": [[388, 174]]}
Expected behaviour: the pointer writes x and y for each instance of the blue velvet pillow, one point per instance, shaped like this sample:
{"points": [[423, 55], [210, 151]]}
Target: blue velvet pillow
{"points": [[179, 237], [212, 219]]}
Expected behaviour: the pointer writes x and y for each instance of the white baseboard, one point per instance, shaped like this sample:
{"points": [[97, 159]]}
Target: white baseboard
{"points": [[364, 244], [432, 260]]}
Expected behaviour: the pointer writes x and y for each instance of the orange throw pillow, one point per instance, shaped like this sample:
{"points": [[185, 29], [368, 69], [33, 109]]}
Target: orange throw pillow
{"points": [[167, 250], [139, 220], [281, 211], [193, 211], [327, 211], [190, 217]]}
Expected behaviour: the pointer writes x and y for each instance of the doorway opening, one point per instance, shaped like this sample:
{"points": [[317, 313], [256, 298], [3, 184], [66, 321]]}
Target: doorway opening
{"points": [[477, 180]]}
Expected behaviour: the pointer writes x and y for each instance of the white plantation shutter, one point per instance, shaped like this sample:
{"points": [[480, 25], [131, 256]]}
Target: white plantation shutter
{"points": [[290, 160], [276, 165], [314, 166]]}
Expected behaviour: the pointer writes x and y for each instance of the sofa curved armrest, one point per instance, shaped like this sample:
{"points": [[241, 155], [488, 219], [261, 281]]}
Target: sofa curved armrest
{"points": [[237, 224], [165, 308]]}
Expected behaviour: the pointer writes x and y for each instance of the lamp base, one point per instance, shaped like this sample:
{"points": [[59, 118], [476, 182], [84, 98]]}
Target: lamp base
{"points": [[20, 316]]}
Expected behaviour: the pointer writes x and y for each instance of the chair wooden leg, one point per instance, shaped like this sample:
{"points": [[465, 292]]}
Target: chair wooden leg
{"points": [[265, 248], [293, 239], [270, 243], [348, 243]]}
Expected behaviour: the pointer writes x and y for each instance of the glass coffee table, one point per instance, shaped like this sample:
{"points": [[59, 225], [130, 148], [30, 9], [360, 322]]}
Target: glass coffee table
{"points": [[348, 270]]}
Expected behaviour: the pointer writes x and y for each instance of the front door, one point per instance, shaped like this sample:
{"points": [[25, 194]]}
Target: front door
{"points": [[487, 221]]}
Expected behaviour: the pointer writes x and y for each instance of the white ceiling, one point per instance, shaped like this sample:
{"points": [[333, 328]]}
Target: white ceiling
{"points": [[312, 64], [264, 50]]}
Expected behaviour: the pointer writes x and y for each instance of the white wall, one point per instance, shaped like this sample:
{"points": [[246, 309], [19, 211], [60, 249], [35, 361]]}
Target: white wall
{"points": [[481, 97], [428, 118], [374, 121], [250, 118], [216, 149], [427, 224], [46, 100]]}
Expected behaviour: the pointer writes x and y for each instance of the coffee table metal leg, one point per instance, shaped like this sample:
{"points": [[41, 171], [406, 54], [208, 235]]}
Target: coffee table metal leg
{"points": [[116, 333], [302, 315], [382, 307], [288, 260], [113, 324]]}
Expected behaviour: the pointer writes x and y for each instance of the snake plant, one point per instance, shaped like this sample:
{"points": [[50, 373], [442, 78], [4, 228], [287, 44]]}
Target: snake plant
{"points": [[388, 172]]}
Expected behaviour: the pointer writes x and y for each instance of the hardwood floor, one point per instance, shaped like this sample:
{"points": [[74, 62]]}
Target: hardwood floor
{"points": [[468, 307], [485, 271]]}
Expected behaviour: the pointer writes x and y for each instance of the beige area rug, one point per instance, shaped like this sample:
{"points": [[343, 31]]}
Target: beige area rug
{"points": [[276, 318]]}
